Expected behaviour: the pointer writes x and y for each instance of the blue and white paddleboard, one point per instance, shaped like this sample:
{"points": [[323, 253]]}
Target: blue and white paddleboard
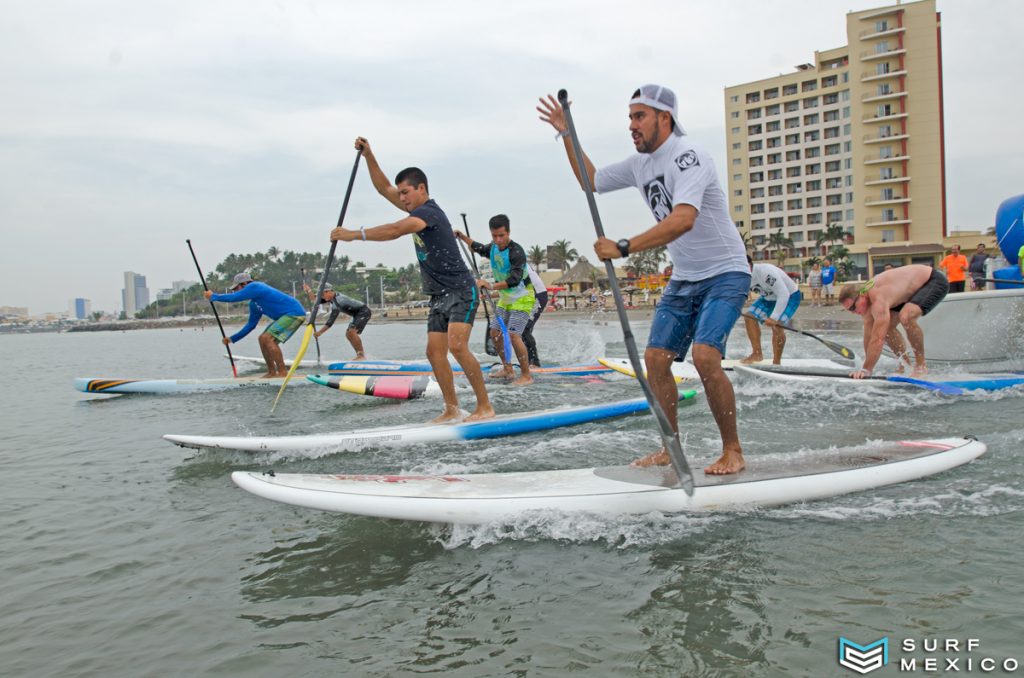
{"points": [[950, 385], [488, 497], [423, 368], [409, 434]]}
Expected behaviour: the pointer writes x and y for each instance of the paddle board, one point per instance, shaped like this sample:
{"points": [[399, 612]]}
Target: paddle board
{"points": [[482, 498], [409, 434], [382, 386], [261, 363], [685, 370], [949, 384], [422, 368], [164, 386]]}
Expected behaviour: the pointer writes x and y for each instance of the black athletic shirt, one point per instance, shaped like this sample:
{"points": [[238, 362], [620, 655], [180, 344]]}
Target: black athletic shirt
{"points": [[343, 304], [441, 264]]}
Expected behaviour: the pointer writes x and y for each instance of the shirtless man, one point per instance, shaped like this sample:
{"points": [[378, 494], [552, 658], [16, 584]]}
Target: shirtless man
{"points": [[890, 299]]}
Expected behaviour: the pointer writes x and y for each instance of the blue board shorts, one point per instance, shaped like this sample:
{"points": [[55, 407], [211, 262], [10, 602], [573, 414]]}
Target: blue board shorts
{"points": [[284, 327], [762, 308], [701, 312]]}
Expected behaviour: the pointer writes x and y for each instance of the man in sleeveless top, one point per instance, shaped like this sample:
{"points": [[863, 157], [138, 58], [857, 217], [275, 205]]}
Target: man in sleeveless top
{"points": [[516, 297], [890, 299], [339, 304], [454, 297]]}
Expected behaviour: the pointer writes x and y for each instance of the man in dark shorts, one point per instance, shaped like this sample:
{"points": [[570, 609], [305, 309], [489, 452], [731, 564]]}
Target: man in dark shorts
{"points": [[454, 297], [890, 299], [340, 303]]}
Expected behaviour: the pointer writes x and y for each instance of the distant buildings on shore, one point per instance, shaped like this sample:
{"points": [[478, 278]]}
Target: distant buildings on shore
{"points": [[135, 295]]}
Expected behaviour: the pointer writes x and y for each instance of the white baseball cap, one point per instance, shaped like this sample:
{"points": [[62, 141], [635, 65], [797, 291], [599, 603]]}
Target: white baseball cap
{"points": [[661, 99]]}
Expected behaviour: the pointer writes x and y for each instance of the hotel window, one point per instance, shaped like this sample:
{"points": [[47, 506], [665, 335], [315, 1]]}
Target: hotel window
{"points": [[792, 139], [849, 217], [774, 158], [884, 110], [885, 173], [847, 163], [883, 89], [811, 136], [775, 206], [811, 119], [754, 129], [737, 161], [882, 47], [756, 176], [793, 172], [808, 85], [771, 110], [757, 193], [846, 111], [795, 204], [757, 208], [753, 97], [737, 177], [774, 142], [847, 129], [757, 224], [814, 168], [849, 198], [882, 68], [846, 77], [792, 106], [776, 222], [833, 217], [831, 132], [831, 116], [888, 215], [829, 99], [774, 175], [811, 102], [885, 194], [832, 149], [848, 181], [888, 235], [794, 188], [847, 147], [772, 93], [754, 114], [772, 126], [788, 90], [814, 202], [738, 208], [774, 190], [881, 26], [832, 166], [796, 220], [812, 152], [792, 155], [734, 98], [736, 146], [738, 191], [754, 145], [836, 199], [813, 219], [814, 185], [735, 130], [829, 81], [792, 122], [845, 94]]}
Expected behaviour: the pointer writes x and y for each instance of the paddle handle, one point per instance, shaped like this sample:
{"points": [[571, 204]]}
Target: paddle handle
{"points": [[833, 346], [669, 438], [216, 315]]}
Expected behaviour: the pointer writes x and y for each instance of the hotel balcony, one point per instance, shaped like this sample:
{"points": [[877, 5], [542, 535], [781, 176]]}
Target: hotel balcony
{"points": [[871, 55], [879, 201], [879, 161], [871, 98], [878, 138], [877, 180], [871, 33], [871, 119], [871, 76], [885, 221]]}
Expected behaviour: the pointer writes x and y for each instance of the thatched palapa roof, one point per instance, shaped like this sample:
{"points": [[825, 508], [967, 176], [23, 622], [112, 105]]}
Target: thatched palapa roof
{"points": [[582, 272]]}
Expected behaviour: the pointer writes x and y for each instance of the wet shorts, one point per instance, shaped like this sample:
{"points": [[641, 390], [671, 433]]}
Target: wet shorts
{"points": [[452, 306], [929, 295], [515, 321], [762, 308], [701, 312], [360, 319], [284, 327]]}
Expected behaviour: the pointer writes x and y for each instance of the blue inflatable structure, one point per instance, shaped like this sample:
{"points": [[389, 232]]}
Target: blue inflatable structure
{"points": [[1010, 237]]}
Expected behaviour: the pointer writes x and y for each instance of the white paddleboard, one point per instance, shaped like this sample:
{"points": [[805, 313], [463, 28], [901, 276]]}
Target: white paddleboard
{"points": [[950, 384], [410, 434], [165, 386], [482, 498], [683, 371], [251, 362]]}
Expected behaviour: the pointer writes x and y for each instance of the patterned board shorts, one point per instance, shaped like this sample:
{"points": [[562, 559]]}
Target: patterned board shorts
{"points": [[762, 308], [284, 327], [515, 321]]}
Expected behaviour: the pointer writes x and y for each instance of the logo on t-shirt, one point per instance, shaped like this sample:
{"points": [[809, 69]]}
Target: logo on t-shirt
{"points": [[658, 197], [687, 160]]}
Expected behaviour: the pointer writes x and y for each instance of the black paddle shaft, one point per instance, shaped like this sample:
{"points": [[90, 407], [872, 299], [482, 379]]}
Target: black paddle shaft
{"points": [[669, 438], [215, 314], [334, 244]]}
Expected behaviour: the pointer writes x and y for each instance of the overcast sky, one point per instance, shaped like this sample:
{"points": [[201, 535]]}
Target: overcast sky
{"points": [[127, 127]]}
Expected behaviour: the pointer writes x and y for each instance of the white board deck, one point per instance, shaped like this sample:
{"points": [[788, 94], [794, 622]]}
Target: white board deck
{"points": [[482, 498], [683, 371], [951, 384], [167, 386], [258, 362]]}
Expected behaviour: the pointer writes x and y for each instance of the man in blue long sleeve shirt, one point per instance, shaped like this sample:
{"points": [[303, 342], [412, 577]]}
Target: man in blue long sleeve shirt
{"points": [[286, 312]]}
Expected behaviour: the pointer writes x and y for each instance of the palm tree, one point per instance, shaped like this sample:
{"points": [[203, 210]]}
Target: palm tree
{"points": [[273, 253], [782, 244], [832, 233], [563, 251], [647, 261], [536, 256]]}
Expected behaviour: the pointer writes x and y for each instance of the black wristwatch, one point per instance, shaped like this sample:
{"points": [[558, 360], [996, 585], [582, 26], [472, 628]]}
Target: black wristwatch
{"points": [[623, 246]]}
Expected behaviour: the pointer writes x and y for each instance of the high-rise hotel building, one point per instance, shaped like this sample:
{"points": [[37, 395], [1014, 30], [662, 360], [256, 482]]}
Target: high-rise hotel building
{"points": [[854, 139]]}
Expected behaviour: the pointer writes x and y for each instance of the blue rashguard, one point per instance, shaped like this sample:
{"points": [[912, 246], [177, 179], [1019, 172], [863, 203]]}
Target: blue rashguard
{"points": [[263, 300]]}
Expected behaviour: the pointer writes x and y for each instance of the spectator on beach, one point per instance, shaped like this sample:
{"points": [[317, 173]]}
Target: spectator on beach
{"points": [[710, 276], [828, 278], [454, 297], [955, 266], [339, 304], [890, 299], [285, 311], [814, 281], [779, 300], [977, 267]]}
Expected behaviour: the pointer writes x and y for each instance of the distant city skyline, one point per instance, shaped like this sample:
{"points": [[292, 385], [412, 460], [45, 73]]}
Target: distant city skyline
{"points": [[128, 128]]}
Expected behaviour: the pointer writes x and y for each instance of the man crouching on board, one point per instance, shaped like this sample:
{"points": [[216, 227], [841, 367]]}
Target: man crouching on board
{"points": [[710, 275], [892, 298]]}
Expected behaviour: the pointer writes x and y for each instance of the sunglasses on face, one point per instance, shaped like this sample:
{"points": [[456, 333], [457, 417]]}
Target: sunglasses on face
{"points": [[852, 308]]}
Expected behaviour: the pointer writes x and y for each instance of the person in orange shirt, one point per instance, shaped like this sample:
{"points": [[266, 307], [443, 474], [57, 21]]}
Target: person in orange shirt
{"points": [[955, 266]]}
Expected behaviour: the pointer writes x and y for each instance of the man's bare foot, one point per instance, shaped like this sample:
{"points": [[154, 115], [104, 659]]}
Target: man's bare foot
{"points": [[279, 375], [919, 372], [752, 358], [659, 458], [523, 381], [481, 413], [268, 375], [449, 416], [729, 462], [360, 356]]}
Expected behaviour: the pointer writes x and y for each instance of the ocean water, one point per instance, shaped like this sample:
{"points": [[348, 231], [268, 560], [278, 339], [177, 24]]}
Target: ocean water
{"points": [[126, 556]]}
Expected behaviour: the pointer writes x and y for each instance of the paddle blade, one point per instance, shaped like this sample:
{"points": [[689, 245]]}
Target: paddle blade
{"points": [[929, 385], [295, 363], [489, 346], [838, 348], [508, 341]]}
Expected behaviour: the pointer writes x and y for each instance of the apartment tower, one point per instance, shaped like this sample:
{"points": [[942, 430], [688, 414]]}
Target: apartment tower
{"points": [[854, 139]]}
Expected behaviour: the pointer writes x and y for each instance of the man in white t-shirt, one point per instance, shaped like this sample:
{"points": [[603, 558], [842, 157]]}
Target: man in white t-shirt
{"points": [[710, 277], [780, 297]]}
